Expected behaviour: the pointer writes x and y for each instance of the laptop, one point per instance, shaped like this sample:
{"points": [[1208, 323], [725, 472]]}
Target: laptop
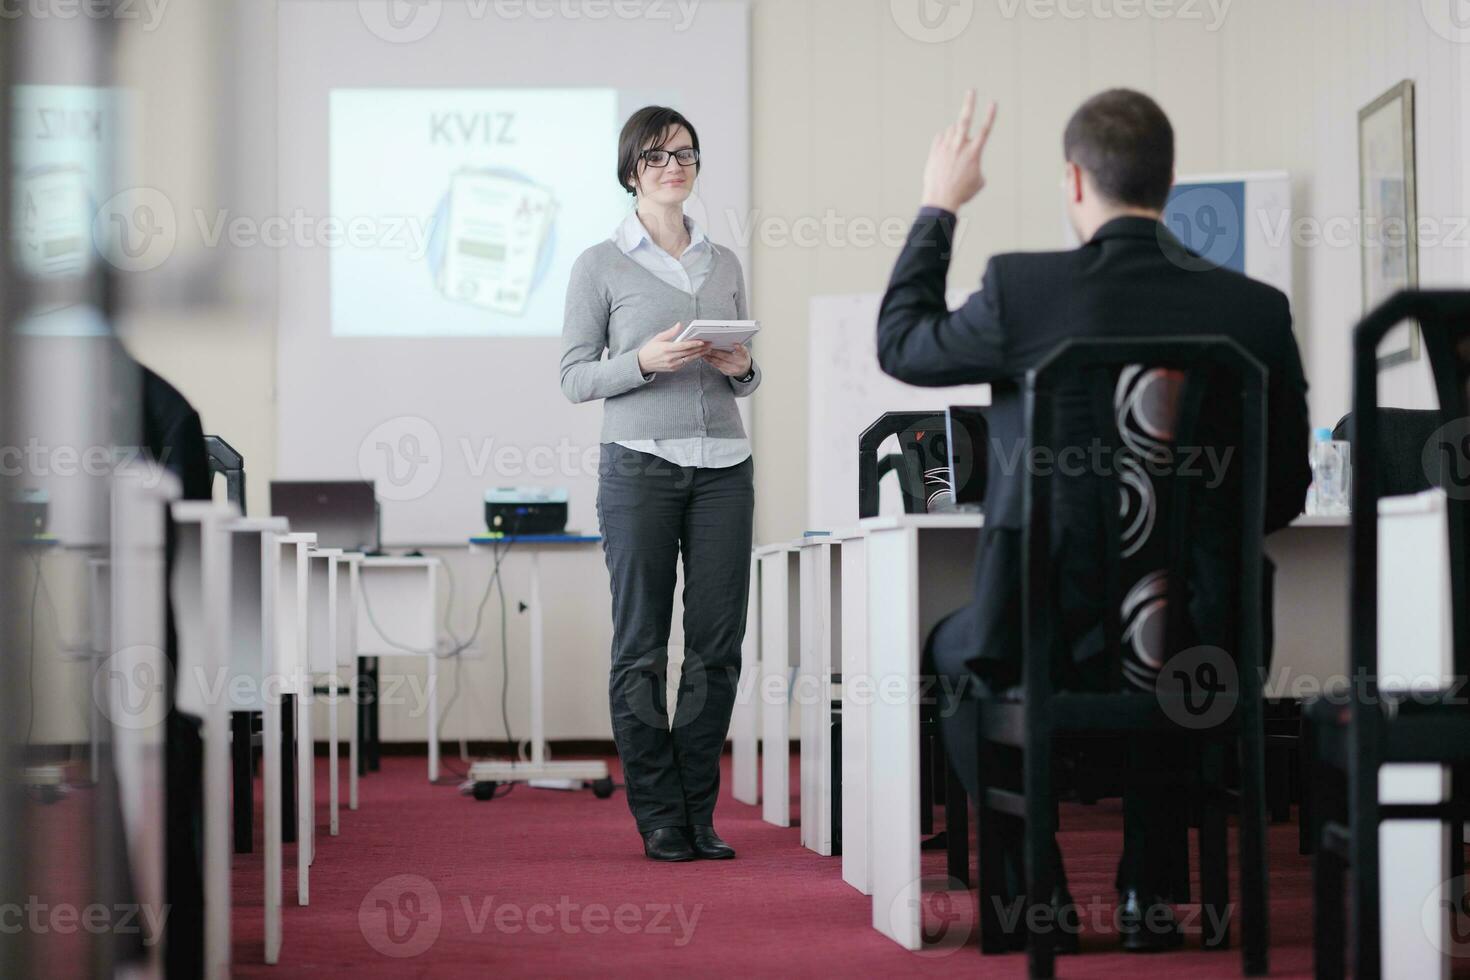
{"points": [[343, 513]]}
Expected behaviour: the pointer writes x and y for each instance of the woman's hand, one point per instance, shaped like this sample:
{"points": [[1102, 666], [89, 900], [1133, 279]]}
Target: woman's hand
{"points": [[733, 363], [664, 353]]}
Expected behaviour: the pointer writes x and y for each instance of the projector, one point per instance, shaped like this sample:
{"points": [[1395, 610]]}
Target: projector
{"points": [[526, 510], [28, 510]]}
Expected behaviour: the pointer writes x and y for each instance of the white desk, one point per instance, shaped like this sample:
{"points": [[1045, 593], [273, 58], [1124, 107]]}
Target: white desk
{"points": [[401, 594], [537, 765], [780, 620], [820, 559], [292, 639], [255, 682], [201, 592], [919, 569]]}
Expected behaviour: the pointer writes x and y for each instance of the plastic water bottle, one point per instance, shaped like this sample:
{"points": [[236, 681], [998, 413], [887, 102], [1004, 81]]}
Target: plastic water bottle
{"points": [[1328, 494]]}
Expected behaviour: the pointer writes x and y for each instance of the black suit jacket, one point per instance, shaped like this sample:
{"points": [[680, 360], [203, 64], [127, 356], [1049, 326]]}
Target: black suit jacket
{"points": [[1128, 281]]}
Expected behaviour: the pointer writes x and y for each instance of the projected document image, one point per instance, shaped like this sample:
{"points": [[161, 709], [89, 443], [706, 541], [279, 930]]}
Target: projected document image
{"points": [[56, 211], [493, 193], [491, 235]]}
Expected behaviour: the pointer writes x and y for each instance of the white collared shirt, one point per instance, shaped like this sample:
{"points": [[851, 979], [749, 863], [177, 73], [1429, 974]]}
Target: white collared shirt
{"points": [[688, 273]]}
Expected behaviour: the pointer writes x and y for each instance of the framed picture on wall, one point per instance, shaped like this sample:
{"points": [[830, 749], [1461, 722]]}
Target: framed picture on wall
{"points": [[1388, 241]]}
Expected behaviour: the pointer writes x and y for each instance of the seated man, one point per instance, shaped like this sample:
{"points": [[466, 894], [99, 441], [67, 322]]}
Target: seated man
{"points": [[1130, 278]]}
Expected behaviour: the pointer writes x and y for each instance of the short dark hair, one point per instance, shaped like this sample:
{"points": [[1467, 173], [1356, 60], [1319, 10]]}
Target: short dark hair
{"points": [[647, 129], [1125, 142]]}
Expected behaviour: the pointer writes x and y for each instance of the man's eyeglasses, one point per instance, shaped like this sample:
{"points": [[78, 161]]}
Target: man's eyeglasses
{"points": [[687, 157]]}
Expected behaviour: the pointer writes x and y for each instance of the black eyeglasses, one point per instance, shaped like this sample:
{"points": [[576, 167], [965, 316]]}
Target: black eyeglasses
{"points": [[687, 157]]}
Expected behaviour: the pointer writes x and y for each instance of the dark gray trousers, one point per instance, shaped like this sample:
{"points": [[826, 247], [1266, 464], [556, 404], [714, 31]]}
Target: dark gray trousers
{"points": [[651, 512]]}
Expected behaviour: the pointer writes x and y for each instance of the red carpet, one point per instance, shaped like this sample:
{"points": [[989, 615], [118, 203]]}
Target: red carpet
{"points": [[551, 883]]}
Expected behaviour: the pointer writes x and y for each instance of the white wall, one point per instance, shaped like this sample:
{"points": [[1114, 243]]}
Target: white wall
{"points": [[844, 105], [846, 102]]}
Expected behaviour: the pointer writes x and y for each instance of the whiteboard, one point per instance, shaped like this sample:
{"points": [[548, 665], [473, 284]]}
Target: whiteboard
{"points": [[1239, 221], [848, 392]]}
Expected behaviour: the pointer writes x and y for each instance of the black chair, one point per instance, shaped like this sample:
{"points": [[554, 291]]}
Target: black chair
{"points": [[920, 464], [921, 467], [1350, 735], [1402, 435], [1132, 685]]}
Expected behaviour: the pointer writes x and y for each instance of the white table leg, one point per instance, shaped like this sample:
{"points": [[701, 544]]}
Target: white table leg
{"points": [[332, 753], [354, 748], [433, 692], [538, 665], [745, 720], [780, 612], [805, 694], [272, 802], [304, 803], [857, 696], [829, 631]]}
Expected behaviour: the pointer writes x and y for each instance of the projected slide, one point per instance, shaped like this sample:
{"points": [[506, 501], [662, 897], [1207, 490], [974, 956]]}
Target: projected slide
{"points": [[462, 210]]}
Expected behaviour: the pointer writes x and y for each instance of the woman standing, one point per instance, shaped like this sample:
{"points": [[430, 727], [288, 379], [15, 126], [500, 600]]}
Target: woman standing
{"points": [[675, 476]]}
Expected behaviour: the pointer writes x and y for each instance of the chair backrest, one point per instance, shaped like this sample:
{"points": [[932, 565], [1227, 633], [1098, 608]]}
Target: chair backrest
{"points": [[1402, 434], [919, 433], [1136, 496], [223, 458], [1443, 318]]}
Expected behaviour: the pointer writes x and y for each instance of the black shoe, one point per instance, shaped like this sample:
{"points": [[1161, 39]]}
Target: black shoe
{"points": [[707, 844], [1147, 928], [1068, 925], [667, 844]]}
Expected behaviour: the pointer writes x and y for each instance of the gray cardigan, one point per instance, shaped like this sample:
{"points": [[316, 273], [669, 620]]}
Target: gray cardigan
{"points": [[614, 304]]}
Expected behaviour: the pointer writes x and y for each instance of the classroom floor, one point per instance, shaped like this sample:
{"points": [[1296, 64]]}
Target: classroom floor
{"points": [[424, 881]]}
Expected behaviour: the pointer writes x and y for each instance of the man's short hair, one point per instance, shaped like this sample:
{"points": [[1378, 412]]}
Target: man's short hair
{"points": [[1125, 142]]}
